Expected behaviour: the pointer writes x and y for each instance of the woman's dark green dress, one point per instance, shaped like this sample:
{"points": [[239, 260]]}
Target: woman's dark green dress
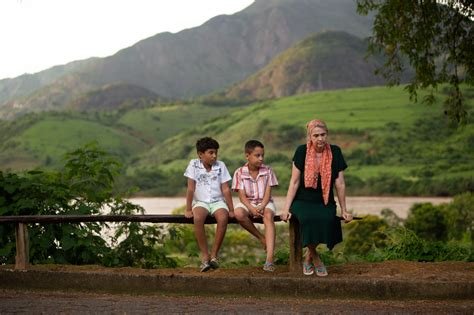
{"points": [[318, 222]]}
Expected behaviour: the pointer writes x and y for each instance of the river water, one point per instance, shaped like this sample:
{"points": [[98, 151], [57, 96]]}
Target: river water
{"points": [[356, 205]]}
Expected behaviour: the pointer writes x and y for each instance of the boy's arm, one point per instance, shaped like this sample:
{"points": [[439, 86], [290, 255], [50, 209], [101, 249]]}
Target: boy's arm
{"points": [[243, 198], [266, 197], [272, 181], [228, 197], [189, 198]]}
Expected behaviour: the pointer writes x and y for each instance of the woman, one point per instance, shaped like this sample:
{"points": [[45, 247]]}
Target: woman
{"points": [[317, 166]]}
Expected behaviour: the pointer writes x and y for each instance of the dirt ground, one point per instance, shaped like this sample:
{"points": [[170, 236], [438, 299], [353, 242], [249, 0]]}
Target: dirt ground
{"points": [[396, 270], [47, 302], [33, 302]]}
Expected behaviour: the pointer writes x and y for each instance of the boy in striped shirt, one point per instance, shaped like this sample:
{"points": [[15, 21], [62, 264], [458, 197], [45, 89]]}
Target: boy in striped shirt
{"points": [[254, 182]]}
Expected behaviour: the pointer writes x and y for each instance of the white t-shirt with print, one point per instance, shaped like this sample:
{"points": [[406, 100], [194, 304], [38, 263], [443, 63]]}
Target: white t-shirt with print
{"points": [[208, 184]]}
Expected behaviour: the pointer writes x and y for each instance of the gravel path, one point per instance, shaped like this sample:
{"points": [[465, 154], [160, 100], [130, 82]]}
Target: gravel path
{"points": [[38, 302]]}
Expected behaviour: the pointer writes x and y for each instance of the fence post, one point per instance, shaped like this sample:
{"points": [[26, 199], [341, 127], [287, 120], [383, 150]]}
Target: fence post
{"points": [[296, 250], [22, 246]]}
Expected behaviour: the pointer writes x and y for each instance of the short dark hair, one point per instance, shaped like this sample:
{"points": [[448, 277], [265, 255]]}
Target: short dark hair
{"points": [[252, 144], [206, 143]]}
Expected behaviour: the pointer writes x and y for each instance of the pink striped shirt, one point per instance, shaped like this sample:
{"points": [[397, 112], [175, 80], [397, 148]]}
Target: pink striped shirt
{"points": [[254, 188]]}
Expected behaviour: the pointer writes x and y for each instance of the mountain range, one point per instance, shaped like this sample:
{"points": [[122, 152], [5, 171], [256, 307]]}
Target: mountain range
{"points": [[323, 61], [190, 63]]}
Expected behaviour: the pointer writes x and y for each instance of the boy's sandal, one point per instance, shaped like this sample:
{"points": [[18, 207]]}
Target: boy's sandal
{"points": [[308, 269], [270, 267], [214, 263], [205, 266], [321, 270]]}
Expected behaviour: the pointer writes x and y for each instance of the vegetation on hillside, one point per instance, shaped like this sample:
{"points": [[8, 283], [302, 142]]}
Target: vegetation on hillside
{"points": [[42, 139], [392, 147]]}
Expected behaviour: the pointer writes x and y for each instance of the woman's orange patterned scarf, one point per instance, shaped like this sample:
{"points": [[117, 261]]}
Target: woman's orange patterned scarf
{"points": [[311, 167]]}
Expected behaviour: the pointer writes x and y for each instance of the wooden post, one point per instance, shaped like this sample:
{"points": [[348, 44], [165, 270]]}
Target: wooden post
{"points": [[22, 247], [296, 250]]}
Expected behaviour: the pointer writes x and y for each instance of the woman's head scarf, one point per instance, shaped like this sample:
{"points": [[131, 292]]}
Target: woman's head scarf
{"points": [[311, 166]]}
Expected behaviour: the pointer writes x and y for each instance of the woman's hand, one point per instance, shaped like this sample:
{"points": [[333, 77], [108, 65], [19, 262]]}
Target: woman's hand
{"points": [[347, 216], [285, 216]]}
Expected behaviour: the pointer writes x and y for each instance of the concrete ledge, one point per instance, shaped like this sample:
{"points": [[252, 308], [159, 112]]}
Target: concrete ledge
{"points": [[234, 286]]}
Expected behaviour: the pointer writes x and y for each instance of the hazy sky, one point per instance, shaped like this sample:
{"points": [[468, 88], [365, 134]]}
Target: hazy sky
{"points": [[38, 34]]}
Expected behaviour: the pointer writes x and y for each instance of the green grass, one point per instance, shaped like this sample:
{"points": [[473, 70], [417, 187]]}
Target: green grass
{"points": [[43, 139], [362, 110], [54, 137], [160, 123], [359, 109]]}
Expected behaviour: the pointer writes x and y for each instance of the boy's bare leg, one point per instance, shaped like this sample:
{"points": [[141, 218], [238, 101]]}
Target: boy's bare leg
{"points": [[269, 233], [222, 217], [244, 220], [199, 217]]}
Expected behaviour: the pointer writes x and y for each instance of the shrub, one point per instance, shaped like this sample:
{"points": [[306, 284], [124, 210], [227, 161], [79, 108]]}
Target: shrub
{"points": [[84, 186], [427, 221], [365, 235], [406, 245], [459, 216], [391, 217]]}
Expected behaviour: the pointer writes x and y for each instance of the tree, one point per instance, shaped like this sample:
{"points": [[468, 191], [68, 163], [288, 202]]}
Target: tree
{"points": [[460, 216], [83, 186], [435, 37], [427, 221], [364, 235]]}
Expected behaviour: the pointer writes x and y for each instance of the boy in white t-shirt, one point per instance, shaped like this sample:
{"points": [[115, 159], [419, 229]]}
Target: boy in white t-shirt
{"points": [[208, 193]]}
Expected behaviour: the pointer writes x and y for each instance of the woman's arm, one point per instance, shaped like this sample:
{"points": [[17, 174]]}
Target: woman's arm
{"points": [[341, 196], [290, 195], [189, 198]]}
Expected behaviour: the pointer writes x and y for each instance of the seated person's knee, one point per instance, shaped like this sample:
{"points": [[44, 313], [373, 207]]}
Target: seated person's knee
{"points": [[268, 214], [221, 215], [240, 214]]}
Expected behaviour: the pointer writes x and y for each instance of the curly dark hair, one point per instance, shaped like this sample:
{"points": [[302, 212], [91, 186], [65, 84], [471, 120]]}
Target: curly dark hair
{"points": [[206, 143], [252, 144]]}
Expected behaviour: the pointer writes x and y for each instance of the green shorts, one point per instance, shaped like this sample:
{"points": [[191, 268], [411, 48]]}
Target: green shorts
{"points": [[211, 207]]}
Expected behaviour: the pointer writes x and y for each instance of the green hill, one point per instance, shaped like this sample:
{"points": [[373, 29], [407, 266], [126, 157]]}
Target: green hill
{"points": [[47, 139], [406, 148], [392, 146], [42, 139]]}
